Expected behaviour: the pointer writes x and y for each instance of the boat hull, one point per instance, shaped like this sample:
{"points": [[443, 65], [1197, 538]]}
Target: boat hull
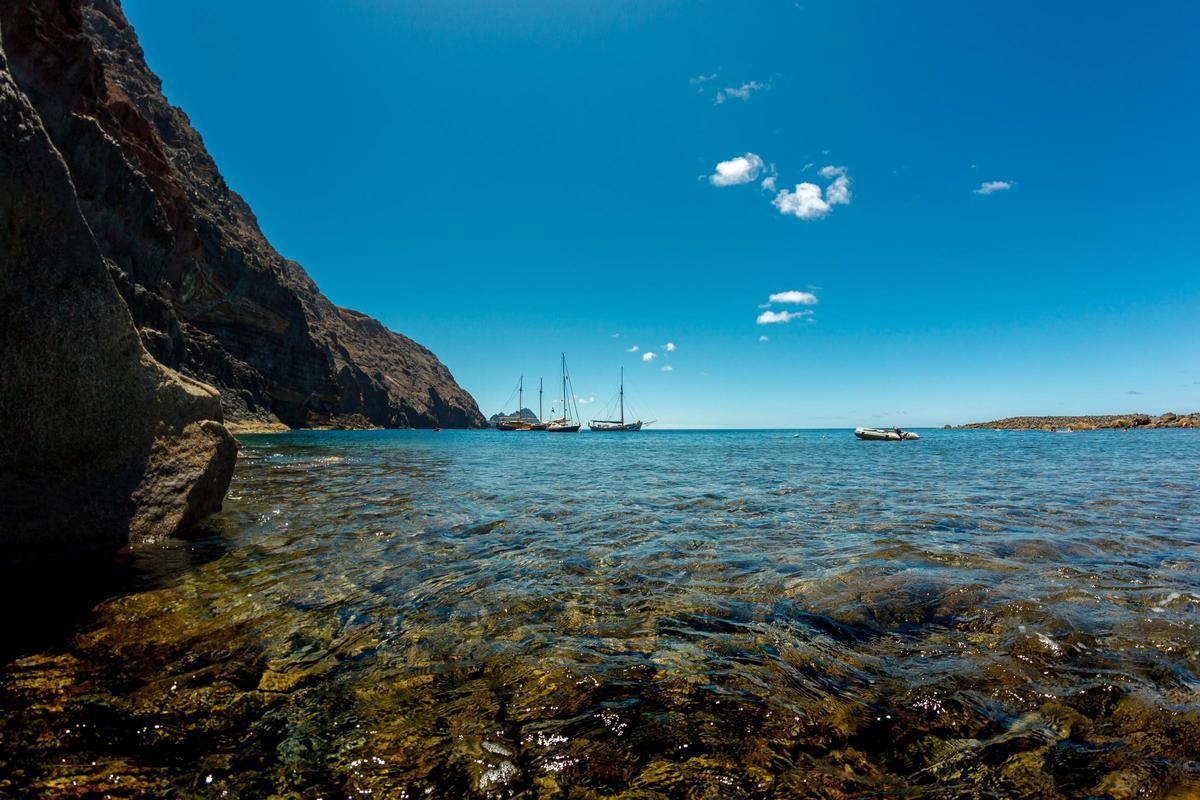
{"points": [[615, 427], [572, 428], [884, 435]]}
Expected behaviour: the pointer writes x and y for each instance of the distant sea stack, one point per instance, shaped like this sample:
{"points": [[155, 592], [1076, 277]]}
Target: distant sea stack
{"points": [[209, 296], [1083, 423], [524, 413]]}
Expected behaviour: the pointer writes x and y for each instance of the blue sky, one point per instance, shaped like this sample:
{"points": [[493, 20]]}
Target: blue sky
{"points": [[505, 181]]}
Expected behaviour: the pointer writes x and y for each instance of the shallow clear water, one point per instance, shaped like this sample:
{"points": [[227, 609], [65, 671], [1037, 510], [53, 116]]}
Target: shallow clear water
{"points": [[664, 614]]}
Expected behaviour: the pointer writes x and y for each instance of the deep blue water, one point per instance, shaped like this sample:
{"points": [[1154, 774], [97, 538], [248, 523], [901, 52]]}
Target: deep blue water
{"points": [[685, 613]]}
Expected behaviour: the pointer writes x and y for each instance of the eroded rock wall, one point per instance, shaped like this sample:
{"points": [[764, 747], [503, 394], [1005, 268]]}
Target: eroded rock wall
{"points": [[99, 442], [209, 295]]}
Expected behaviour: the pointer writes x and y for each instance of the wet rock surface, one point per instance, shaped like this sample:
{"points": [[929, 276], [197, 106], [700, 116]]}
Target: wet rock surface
{"points": [[416, 614], [209, 295]]}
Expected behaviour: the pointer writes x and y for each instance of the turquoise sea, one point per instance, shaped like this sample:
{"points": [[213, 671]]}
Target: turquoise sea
{"points": [[700, 614]]}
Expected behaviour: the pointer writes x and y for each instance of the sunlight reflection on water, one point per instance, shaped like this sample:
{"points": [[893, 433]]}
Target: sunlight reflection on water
{"points": [[481, 613]]}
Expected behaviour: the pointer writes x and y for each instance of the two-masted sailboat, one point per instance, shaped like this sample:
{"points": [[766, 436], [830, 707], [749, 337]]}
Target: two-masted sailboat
{"points": [[566, 423], [518, 421], [616, 425]]}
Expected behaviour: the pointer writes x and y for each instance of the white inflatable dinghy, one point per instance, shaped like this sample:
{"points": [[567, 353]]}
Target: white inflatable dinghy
{"points": [[884, 434]]}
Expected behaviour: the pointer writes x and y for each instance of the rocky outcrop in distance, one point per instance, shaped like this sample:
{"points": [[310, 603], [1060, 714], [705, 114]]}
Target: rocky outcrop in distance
{"points": [[524, 413], [99, 443], [1096, 422], [209, 296]]}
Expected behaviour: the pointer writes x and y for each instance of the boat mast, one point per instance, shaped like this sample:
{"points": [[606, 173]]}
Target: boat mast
{"points": [[622, 395], [564, 381], [521, 396], [539, 399]]}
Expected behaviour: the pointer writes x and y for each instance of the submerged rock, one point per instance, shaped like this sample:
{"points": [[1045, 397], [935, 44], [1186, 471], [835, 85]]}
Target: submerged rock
{"points": [[98, 441]]}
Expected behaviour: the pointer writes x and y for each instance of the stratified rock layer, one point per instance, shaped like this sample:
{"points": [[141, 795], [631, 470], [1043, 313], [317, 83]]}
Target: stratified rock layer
{"points": [[98, 441], [209, 295]]}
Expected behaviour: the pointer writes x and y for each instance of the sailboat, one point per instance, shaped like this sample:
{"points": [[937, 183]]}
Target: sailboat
{"points": [[517, 421], [616, 425], [566, 423], [539, 425]]}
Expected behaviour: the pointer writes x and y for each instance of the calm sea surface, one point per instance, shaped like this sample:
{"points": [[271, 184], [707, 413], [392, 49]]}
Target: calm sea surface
{"points": [[415, 614]]}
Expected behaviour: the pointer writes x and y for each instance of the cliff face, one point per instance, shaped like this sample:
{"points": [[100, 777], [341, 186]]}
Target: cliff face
{"points": [[209, 295], [98, 441]]}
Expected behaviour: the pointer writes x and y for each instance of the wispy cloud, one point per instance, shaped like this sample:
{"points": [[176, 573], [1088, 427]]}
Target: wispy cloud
{"points": [[668, 368], [742, 92], [669, 347], [632, 349], [584, 401], [650, 356], [777, 317], [794, 297], [991, 187], [614, 336], [735, 171], [768, 183], [763, 339], [699, 79], [838, 192]]}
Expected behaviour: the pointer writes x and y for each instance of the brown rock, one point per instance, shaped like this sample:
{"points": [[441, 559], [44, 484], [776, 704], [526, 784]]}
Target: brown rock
{"points": [[98, 440], [209, 295]]}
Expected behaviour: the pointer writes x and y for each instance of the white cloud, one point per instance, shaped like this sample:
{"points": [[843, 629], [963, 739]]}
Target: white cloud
{"points": [[702, 78], [768, 183], [763, 339], [649, 356], [804, 203], [741, 169], [794, 297], [809, 202], [838, 192], [584, 402], [991, 187], [614, 336], [668, 368], [742, 92], [633, 349], [776, 317], [669, 347]]}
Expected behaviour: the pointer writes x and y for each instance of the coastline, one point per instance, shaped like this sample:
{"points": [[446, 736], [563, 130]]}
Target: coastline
{"points": [[1092, 422]]}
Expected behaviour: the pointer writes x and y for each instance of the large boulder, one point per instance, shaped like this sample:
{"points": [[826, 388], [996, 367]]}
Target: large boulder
{"points": [[99, 443]]}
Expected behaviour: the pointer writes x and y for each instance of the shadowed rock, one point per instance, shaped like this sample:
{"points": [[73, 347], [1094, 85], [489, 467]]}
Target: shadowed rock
{"points": [[98, 441], [209, 295]]}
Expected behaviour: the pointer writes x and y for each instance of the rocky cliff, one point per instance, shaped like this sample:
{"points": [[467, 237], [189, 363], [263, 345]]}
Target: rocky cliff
{"points": [[209, 295], [98, 441]]}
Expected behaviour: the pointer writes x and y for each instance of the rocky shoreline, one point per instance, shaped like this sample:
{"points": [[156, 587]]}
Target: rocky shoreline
{"points": [[1093, 422], [146, 318]]}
